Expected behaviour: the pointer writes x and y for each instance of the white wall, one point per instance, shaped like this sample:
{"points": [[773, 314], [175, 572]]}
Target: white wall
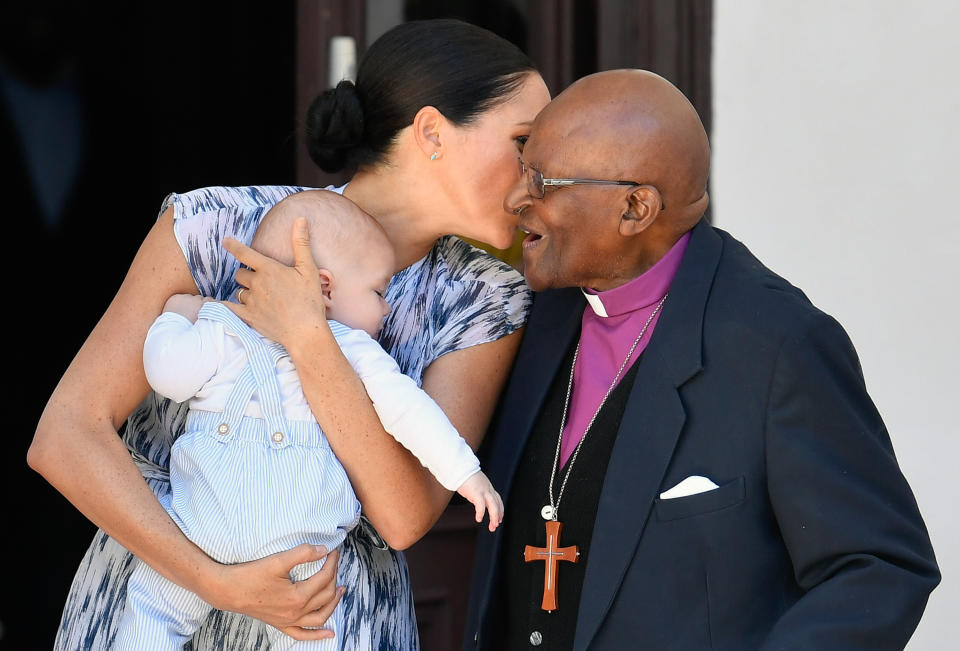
{"points": [[836, 143]]}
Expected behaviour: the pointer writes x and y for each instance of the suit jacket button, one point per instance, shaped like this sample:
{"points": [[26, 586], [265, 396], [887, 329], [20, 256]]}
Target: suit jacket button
{"points": [[536, 638]]}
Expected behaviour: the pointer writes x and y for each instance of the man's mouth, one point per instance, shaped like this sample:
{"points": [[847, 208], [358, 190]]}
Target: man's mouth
{"points": [[532, 237]]}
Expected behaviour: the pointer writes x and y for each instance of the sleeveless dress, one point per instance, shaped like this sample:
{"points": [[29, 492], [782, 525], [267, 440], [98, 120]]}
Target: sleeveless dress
{"points": [[455, 297]]}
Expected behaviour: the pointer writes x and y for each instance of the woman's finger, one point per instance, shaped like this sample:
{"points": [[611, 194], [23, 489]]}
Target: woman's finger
{"points": [[245, 276], [320, 616], [239, 309], [302, 254], [304, 634], [303, 553], [322, 586], [245, 254]]}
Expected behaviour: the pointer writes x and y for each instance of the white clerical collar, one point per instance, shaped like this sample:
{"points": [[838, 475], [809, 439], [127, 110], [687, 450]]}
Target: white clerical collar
{"points": [[595, 303]]}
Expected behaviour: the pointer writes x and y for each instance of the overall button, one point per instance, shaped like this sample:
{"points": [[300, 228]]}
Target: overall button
{"points": [[536, 638], [277, 437], [224, 428]]}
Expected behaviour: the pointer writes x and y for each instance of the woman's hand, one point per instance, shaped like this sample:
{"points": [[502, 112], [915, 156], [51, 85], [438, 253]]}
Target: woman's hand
{"points": [[262, 589], [278, 301]]}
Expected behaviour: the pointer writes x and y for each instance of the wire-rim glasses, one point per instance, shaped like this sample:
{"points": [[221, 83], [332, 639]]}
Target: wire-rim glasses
{"points": [[537, 183]]}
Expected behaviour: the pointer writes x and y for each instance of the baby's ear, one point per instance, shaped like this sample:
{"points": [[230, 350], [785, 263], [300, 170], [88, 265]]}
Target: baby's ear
{"points": [[326, 284]]}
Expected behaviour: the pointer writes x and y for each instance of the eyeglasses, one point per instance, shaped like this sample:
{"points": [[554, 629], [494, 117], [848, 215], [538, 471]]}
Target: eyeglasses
{"points": [[536, 183]]}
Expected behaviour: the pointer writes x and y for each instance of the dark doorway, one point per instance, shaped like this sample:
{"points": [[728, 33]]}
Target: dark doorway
{"points": [[104, 109]]}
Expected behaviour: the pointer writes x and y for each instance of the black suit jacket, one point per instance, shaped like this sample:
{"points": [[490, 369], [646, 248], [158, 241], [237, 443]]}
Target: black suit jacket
{"points": [[812, 540]]}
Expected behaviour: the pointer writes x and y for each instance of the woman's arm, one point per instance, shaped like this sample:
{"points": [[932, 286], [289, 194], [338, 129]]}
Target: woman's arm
{"points": [[399, 496], [77, 449]]}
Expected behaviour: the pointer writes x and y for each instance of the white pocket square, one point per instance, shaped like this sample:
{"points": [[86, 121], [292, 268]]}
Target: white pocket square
{"points": [[692, 485]]}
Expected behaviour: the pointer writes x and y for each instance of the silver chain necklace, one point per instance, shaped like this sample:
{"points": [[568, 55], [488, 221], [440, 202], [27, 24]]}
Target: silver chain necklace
{"points": [[549, 511]]}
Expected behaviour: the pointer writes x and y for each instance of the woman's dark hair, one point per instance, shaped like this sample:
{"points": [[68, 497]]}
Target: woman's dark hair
{"points": [[460, 69]]}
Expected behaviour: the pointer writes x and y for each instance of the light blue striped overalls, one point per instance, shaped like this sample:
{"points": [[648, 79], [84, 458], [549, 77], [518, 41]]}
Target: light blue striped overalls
{"points": [[243, 488]]}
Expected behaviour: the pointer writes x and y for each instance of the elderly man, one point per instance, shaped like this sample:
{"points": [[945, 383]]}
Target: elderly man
{"points": [[687, 449]]}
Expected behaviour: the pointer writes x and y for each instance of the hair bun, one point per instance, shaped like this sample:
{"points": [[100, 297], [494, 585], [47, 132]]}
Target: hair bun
{"points": [[334, 127]]}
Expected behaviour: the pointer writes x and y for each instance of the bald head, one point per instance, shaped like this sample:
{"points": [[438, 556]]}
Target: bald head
{"points": [[340, 232], [633, 124], [620, 125]]}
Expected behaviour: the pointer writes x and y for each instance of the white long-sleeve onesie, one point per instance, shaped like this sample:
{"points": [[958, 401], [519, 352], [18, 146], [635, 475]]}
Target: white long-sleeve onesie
{"points": [[200, 361]]}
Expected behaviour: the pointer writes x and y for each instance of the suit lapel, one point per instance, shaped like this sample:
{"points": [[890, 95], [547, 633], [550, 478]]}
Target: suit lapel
{"points": [[649, 431], [554, 324]]}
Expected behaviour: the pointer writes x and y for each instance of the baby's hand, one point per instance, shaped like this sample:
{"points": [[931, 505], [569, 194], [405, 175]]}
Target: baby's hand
{"points": [[479, 491], [187, 305]]}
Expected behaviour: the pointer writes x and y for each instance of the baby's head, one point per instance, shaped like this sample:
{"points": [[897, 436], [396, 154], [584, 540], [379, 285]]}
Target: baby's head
{"points": [[355, 258]]}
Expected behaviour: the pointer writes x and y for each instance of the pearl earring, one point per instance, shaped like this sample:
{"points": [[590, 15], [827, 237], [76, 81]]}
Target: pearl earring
{"points": [[433, 156]]}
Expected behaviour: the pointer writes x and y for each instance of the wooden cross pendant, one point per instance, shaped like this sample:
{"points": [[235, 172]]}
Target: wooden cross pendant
{"points": [[552, 555]]}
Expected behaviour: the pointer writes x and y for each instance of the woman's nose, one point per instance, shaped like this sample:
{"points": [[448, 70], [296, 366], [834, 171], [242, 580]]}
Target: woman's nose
{"points": [[517, 197]]}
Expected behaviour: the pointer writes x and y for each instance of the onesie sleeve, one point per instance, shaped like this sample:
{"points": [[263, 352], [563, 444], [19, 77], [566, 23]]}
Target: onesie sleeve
{"points": [[179, 357], [406, 411]]}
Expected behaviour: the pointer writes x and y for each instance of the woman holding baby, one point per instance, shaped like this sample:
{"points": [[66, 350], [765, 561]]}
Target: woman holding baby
{"points": [[433, 128]]}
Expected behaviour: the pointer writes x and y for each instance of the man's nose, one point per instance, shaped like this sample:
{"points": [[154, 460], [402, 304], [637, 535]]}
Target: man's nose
{"points": [[517, 197]]}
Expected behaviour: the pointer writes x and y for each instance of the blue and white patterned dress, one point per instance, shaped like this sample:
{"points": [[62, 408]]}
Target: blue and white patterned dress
{"points": [[455, 297]]}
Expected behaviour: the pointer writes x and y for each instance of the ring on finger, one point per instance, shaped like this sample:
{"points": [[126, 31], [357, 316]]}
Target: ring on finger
{"points": [[240, 294]]}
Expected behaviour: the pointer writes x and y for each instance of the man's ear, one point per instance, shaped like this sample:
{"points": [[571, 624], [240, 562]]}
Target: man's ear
{"points": [[326, 286], [427, 125], [644, 204]]}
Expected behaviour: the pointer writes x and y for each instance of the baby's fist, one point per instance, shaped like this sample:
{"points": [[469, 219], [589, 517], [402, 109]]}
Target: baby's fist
{"points": [[480, 492], [187, 305]]}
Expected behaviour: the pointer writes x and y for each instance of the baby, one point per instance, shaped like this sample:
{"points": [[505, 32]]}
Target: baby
{"points": [[252, 474]]}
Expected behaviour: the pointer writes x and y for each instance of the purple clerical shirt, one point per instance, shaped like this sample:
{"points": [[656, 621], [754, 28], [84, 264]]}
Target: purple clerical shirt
{"points": [[611, 323]]}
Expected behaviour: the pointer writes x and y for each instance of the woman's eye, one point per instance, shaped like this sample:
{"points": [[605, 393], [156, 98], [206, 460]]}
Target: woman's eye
{"points": [[521, 141]]}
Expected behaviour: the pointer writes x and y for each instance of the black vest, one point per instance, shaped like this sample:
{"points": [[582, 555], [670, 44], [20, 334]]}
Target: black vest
{"points": [[515, 610]]}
